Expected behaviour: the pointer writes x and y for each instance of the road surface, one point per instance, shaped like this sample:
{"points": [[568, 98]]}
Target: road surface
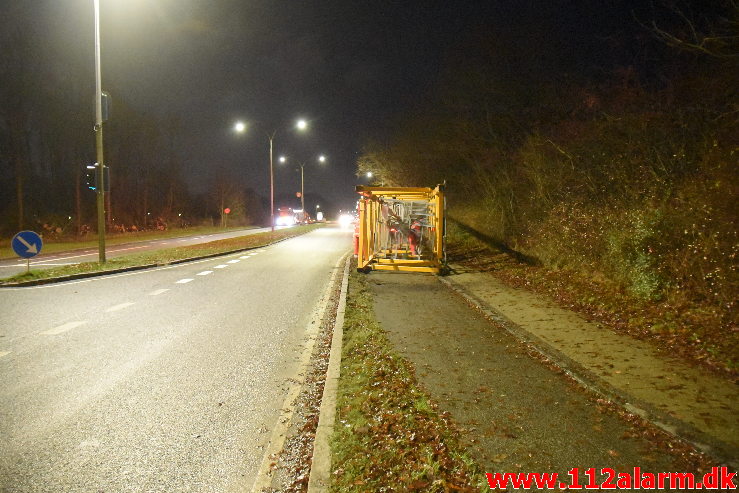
{"points": [[11, 266], [169, 379]]}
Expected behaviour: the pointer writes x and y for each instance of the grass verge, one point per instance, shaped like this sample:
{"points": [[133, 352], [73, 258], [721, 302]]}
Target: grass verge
{"points": [[164, 256], [696, 331], [52, 246], [388, 435]]}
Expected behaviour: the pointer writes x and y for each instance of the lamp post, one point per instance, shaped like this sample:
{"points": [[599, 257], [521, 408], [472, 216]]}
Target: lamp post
{"points": [[240, 127], [321, 159], [99, 139]]}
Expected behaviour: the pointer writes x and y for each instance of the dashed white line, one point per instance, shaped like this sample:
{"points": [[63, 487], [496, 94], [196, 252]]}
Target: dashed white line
{"points": [[184, 281], [63, 328], [4, 353], [222, 266], [119, 307], [204, 273], [244, 257], [234, 261], [158, 292]]}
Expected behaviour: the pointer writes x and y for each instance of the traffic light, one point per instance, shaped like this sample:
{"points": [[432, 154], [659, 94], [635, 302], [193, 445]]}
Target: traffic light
{"points": [[92, 177]]}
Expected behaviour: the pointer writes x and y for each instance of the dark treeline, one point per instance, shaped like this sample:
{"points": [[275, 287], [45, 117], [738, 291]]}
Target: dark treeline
{"points": [[47, 140], [611, 151]]}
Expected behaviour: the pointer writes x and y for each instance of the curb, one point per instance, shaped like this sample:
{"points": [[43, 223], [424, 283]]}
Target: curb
{"points": [[587, 379], [320, 471], [85, 275]]}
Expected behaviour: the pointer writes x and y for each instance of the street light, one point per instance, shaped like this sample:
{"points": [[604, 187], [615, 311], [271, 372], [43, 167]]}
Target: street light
{"points": [[99, 138], [321, 159], [240, 127]]}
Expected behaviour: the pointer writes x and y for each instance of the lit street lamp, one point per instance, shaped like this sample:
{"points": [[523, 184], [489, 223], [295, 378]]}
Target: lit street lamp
{"points": [[240, 127], [320, 159]]}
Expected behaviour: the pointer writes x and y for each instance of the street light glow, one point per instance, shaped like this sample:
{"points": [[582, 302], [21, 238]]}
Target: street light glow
{"points": [[283, 159], [240, 126], [322, 158], [369, 174], [301, 124]]}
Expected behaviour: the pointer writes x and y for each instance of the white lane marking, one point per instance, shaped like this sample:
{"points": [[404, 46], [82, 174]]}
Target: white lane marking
{"points": [[158, 292], [119, 307], [222, 266], [244, 257], [63, 328], [108, 277], [111, 276], [204, 273], [185, 239], [85, 254], [127, 249], [34, 263], [4, 353], [234, 261], [184, 281]]}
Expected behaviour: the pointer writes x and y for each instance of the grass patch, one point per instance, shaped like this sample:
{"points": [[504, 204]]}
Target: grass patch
{"points": [[695, 330], [164, 256], [388, 435], [91, 241]]}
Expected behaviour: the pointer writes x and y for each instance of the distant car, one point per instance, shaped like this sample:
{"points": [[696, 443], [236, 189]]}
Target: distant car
{"points": [[286, 217], [346, 220]]}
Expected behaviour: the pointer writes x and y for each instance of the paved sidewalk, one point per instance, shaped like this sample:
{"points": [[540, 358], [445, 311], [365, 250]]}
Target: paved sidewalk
{"points": [[515, 413], [680, 398]]}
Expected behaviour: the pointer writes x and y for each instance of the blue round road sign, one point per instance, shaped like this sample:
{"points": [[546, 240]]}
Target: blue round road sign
{"points": [[27, 244]]}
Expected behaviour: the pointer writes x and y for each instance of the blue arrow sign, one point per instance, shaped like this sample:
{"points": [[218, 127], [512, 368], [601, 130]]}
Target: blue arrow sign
{"points": [[27, 244]]}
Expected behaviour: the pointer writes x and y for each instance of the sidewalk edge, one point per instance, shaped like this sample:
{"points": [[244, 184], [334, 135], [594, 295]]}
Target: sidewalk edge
{"points": [[320, 471]]}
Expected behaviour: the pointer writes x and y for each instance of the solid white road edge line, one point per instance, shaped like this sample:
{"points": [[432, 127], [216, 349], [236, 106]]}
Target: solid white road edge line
{"points": [[279, 432]]}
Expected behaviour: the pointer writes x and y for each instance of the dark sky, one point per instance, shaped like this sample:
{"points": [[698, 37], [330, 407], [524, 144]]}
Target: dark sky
{"points": [[351, 68]]}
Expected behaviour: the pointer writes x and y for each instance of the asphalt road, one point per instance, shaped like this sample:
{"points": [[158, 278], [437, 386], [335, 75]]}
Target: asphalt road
{"points": [[168, 379], [12, 266]]}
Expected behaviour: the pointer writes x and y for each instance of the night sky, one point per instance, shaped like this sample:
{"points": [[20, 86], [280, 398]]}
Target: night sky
{"points": [[352, 69]]}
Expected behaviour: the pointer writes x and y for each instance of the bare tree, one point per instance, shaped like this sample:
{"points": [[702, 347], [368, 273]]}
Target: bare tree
{"points": [[715, 34]]}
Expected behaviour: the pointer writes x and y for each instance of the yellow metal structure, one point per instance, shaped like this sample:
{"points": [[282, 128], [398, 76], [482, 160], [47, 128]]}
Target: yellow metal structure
{"points": [[401, 229]]}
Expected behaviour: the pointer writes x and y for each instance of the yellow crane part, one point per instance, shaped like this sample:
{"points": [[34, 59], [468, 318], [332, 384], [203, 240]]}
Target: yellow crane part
{"points": [[402, 229]]}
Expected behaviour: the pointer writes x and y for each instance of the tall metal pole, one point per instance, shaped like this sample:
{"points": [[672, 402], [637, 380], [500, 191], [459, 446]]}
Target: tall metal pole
{"points": [[99, 139], [302, 193], [271, 187]]}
